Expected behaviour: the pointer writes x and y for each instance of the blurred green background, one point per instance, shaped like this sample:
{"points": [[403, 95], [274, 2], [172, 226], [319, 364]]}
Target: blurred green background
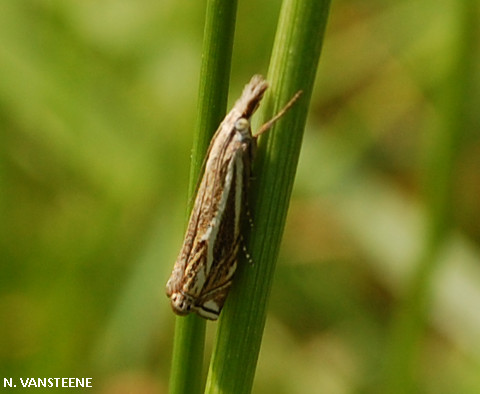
{"points": [[97, 107]]}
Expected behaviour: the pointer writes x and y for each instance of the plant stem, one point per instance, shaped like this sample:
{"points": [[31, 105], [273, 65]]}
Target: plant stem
{"points": [[293, 67], [188, 347]]}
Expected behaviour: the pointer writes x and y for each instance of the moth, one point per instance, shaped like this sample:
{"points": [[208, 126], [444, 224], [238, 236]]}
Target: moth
{"points": [[207, 261]]}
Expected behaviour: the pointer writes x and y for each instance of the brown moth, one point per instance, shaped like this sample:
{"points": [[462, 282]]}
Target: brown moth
{"points": [[203, 272]]}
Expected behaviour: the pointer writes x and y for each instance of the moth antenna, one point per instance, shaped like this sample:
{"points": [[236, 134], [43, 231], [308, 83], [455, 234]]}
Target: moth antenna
{"points": [[282, 112]]}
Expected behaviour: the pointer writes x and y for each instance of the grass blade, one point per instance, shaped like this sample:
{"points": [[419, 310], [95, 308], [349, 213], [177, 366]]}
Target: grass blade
{"points": [[293, 67]]}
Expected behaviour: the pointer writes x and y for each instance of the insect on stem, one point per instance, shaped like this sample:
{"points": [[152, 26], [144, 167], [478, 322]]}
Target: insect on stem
{"points": [[204, 269]]}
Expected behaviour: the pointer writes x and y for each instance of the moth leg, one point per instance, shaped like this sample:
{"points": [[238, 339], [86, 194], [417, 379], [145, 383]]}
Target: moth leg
{"points": [[248, 215], [246, 253]]}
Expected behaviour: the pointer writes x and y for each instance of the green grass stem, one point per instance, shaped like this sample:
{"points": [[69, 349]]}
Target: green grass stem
{"points": [[293, 67], [188, 347]]}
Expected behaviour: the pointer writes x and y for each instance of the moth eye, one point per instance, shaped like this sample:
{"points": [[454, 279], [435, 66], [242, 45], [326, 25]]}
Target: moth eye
{"points": [[242, 124]]}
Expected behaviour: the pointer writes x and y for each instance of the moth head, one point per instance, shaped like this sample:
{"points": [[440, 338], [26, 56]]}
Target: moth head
{"points": [[242, 124], [181, 304]]}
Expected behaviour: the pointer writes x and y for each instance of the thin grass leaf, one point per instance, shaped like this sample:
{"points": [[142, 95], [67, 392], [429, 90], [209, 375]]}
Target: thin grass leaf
{"points": [[293, 67], [188, 347]]}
